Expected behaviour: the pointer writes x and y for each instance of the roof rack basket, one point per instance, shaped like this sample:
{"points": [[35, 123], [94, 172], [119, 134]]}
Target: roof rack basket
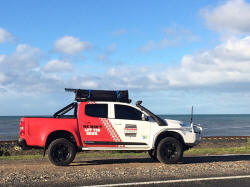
{"points": [[100, 95]]}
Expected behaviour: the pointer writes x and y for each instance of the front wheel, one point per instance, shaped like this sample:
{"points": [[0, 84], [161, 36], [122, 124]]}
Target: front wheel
{"points": [[61, 152], [169, 150]]}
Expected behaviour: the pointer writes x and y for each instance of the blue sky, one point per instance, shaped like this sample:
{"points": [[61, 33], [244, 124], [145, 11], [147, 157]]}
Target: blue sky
{"points": [[170, 54]]}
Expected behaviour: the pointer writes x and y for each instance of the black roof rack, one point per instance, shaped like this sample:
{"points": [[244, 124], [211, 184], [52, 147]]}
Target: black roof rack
{"points": [[100, 95]]}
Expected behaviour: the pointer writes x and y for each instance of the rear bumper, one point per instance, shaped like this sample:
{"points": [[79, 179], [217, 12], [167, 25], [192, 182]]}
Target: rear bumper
{"points": [[22, 143]]}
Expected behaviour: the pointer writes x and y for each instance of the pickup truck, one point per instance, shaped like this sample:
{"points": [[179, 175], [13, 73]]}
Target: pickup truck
{"points": [[107, 125]]}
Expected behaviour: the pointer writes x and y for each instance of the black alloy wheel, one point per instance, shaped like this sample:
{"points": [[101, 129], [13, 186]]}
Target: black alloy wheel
{"points": [[61, 152], [169, 150]]}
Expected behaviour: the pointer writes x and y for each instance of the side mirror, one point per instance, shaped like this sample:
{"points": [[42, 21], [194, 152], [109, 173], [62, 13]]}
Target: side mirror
{"points": [[138, 102], [144, 117]]}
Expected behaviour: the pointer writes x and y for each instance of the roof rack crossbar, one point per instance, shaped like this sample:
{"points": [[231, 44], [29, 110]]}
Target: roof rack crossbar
{"points": [[71, 90], [100, 95]]}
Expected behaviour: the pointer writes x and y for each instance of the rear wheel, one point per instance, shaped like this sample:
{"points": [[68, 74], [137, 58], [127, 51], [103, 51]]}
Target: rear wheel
{"points": [[169, 150], [61, 152]]}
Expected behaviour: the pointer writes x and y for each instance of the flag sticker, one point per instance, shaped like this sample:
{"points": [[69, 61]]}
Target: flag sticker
{"points": [[130, 130]]}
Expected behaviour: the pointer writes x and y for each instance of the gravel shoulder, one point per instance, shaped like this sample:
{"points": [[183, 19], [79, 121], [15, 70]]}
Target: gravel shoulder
{"points": [[90, 171], [95, 169]]}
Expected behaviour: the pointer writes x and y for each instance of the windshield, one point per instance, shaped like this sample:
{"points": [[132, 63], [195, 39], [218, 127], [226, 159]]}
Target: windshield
{"points": [[158, 120]]}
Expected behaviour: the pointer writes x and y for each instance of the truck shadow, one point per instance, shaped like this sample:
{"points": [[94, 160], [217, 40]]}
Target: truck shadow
{"points": [[185, 160]]}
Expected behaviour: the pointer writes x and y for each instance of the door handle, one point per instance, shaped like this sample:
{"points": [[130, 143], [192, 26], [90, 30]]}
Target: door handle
{"points": [[118, 124]]}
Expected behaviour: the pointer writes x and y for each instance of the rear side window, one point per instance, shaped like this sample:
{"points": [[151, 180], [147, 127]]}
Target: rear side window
{"points": [[127, 112], [97, 110]]}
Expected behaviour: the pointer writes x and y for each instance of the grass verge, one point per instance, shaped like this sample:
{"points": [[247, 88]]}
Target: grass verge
{"points": [[21, 157], [218, 151]]}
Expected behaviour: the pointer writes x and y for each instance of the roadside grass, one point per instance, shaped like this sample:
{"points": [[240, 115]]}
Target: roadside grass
{"points": [[218, 151], [21, 157], [221, 150], [129, 154]]}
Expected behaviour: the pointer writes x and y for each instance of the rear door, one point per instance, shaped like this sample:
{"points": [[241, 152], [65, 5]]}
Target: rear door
{"points": [[95, 128]]}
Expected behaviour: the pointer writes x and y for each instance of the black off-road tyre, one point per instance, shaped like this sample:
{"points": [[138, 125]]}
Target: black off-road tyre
{"points": [[152, 153], [61, 152], [169, 151]]}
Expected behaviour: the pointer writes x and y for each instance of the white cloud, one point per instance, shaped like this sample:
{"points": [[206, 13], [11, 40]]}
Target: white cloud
{"points": [[227, 64], [231, 17], [119, 32], [85, 82], [111, 48], [5, 36], [127, 77], [20, 72], [225, 68], [148, 47], [2, 58], [104, 57], [57, 66], [2, 78], [88, 84], [174, 36], [71, 45], [25, 57]]}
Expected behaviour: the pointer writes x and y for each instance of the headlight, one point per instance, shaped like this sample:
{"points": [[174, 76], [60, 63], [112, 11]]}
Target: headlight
{"points": [[186, 127], [197, 128]]}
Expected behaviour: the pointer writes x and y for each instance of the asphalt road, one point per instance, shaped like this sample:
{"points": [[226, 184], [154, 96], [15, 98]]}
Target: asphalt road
{"points": [[214, 183], [243, 180], [108, 171]]}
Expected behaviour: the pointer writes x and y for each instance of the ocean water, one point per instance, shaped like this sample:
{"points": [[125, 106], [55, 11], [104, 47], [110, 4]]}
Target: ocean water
{"points": [[219, 125], [213, 125], [9, 127]]}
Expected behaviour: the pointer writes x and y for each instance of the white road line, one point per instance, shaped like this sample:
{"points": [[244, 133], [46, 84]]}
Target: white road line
{"points": [[172, 181]]}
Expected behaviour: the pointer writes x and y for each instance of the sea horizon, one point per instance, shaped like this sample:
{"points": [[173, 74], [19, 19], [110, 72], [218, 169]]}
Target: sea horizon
{"points": [[213, 124], [156, 114]]}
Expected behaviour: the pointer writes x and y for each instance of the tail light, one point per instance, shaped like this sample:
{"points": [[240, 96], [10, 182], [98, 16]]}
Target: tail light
{"points": [[22, 128]]}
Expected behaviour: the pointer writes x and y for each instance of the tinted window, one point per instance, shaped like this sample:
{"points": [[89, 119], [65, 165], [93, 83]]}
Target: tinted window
{"points": [[127, 112], [97, 110]]}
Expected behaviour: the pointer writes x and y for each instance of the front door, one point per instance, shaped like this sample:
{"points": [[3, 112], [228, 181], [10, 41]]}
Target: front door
{"points": [[132, 129]]}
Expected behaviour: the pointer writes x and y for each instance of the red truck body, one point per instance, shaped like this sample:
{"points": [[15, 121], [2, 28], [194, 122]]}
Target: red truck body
{"points": [[35, 131]]}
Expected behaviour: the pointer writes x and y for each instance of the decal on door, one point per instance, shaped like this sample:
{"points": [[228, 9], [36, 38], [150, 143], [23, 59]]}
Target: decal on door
{"points": [[130, 130], [92, 130], [103, 134], [111, 130]]}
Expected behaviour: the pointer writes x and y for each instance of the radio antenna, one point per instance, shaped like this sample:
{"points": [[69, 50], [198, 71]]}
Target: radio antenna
{"points": [[191, 120]]}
